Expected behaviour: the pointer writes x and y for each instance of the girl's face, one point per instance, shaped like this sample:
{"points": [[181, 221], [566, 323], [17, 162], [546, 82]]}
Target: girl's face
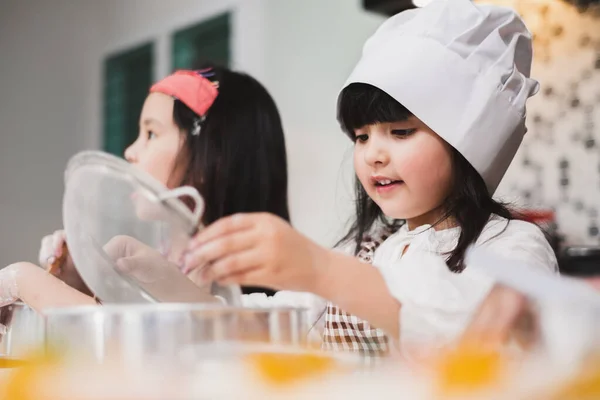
{"points": [[405, 168], [157, 147]]}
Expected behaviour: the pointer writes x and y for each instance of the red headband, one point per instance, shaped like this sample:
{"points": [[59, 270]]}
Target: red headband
{"points": [[191, 88]]}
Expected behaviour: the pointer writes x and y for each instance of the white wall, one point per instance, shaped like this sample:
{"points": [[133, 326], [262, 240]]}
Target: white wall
{"points": [[311, 48], [133, 22], [50, 94], [48, 111]]}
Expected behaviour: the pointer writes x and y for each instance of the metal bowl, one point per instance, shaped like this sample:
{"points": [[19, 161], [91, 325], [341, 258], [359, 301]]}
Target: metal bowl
{"points": [[21, 331], [136, 334]]}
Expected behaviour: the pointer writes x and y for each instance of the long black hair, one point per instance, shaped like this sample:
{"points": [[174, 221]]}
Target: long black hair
{"points": [[469, 203], [238, 162]]}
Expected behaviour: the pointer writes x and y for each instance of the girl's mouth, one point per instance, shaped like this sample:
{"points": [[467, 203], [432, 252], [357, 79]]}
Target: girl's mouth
{"points": [[387, 185]]}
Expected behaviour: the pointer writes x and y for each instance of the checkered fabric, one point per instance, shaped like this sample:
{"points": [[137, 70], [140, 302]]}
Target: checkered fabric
{"points": [[346, 332]]}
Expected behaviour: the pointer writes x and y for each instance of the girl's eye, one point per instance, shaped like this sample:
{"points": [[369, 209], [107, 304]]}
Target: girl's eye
{"points": [[151, 135], [361, 138], [402, 133]]}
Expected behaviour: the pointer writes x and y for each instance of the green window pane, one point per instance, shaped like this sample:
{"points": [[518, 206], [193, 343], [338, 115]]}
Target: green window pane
{"points": [[127, 77], [206, 41]]}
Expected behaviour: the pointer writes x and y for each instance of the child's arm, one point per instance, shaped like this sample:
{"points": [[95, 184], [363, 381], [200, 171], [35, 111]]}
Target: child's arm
{"points": [[37, 288], [261, 249], [359, 289], [155, 273]]}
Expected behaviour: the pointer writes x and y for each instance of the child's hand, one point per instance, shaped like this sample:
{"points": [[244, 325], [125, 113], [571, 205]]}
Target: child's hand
{"points": [[257, 249], [504, 314], [51, 248]]}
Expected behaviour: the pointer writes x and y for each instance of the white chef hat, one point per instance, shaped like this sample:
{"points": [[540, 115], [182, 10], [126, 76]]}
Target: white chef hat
{"points": [[461, 68]]}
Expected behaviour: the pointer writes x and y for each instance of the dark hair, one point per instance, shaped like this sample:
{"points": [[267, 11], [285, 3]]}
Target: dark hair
{"points": [[238, 161], [469, 203]]}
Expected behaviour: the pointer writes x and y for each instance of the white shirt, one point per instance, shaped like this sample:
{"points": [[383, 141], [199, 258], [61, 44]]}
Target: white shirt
{"points": [[436, 302]]}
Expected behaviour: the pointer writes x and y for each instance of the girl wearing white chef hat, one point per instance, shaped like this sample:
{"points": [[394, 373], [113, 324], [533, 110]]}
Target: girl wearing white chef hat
{"points": [[436, 109]]}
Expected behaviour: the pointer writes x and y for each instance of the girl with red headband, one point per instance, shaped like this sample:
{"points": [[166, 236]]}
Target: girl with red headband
{"points": [[199, 128]]}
